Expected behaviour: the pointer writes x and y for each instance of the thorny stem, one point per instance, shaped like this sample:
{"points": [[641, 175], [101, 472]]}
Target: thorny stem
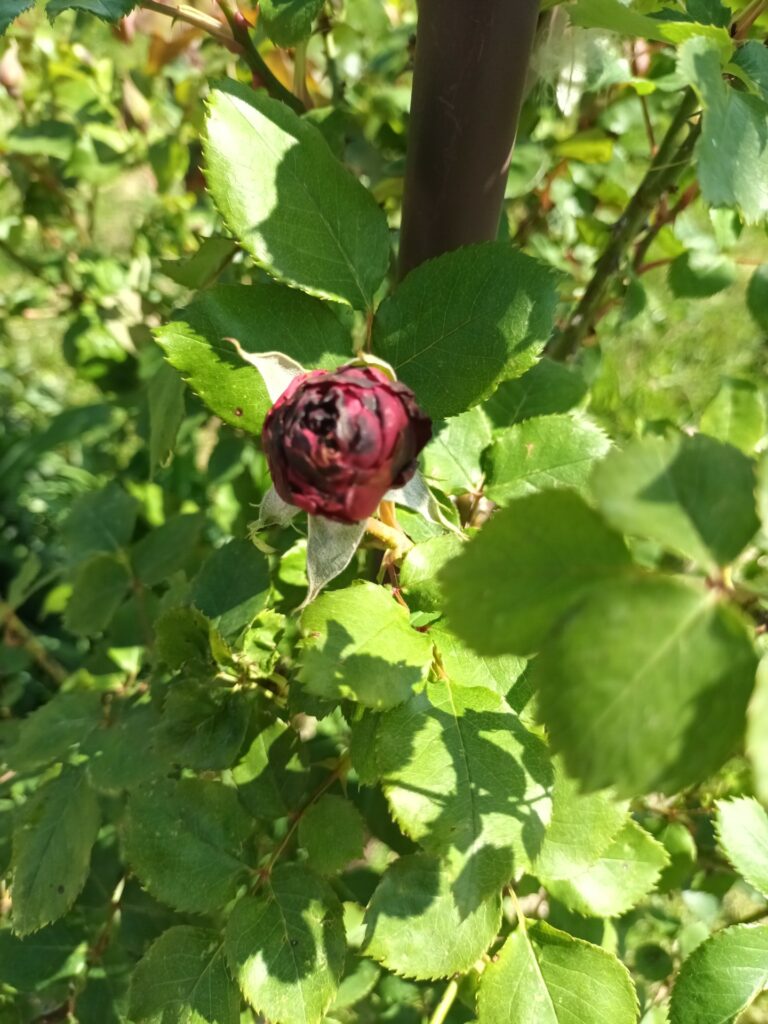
{"points": [[31, 644], [671, 157], [256, 62]]}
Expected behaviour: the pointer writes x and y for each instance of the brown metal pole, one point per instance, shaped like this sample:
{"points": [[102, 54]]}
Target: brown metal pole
{"points": [[472, 59]]}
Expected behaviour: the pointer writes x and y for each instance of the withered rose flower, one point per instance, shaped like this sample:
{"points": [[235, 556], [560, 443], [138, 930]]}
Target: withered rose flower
{"points": [[337, 442]]}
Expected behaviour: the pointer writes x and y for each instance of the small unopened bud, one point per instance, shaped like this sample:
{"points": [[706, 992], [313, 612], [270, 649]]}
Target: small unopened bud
{"points": [[11, 71]]}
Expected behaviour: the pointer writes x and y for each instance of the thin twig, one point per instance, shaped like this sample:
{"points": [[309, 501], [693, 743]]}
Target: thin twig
{"points": [[31, 644], [191, 16], [341, 766]]}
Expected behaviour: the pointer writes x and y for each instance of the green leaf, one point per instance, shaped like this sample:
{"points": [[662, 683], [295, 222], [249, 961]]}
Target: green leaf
{"points": [[430, 918], [553, 549], [721, 977], [165, 397], [757, 297], [286, 946], [421, 567], [623, 875], [736, 415], [540, 453], [742, 828], [271, 778], [617, 17], [185, 842], [10, 10], [544, 976], [52, 730], [460, 771], [466, 668], [697, 275], [232, 586], [183, 979], [263, 318], [99, 521], [757, 730], [546, 388], [582, 827], [331, 832], [358, 982], [52, 849], [38, 960], [289, 202], [753, 58], [693, 495], [109, 10], [183, 640], [201, 268], [111, 749], [203, 726], [452, 458], [358, 645], [98, 591], [166, 549], [732, 151], [496, 309], [644, 685], [288, 22]]}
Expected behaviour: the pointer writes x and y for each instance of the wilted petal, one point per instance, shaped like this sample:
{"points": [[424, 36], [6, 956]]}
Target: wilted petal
{"points": [[277, 370]]}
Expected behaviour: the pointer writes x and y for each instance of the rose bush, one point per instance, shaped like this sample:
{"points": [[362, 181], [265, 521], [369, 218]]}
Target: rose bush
{"points": [[337, 442]]}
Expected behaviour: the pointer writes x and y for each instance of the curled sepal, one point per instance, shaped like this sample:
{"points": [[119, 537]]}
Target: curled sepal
{"points": [[273, 511], [330, 548], [416, 496], [277, 370]]}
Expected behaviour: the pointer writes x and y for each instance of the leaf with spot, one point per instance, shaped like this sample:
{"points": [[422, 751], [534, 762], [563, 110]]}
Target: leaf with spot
{"points": [[286, 946], [262, 318], [544, 976], [52, 845], [540, 453]]}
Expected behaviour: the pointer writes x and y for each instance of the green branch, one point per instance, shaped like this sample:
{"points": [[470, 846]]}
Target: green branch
{"points": [[670, 160]]}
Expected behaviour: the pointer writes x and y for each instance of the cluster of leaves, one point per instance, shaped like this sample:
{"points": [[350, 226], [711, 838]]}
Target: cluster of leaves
{"points": [[495, 775]]}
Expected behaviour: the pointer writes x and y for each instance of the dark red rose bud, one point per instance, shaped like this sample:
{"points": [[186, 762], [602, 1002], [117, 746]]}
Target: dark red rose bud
{"points": [[337, 442]]}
